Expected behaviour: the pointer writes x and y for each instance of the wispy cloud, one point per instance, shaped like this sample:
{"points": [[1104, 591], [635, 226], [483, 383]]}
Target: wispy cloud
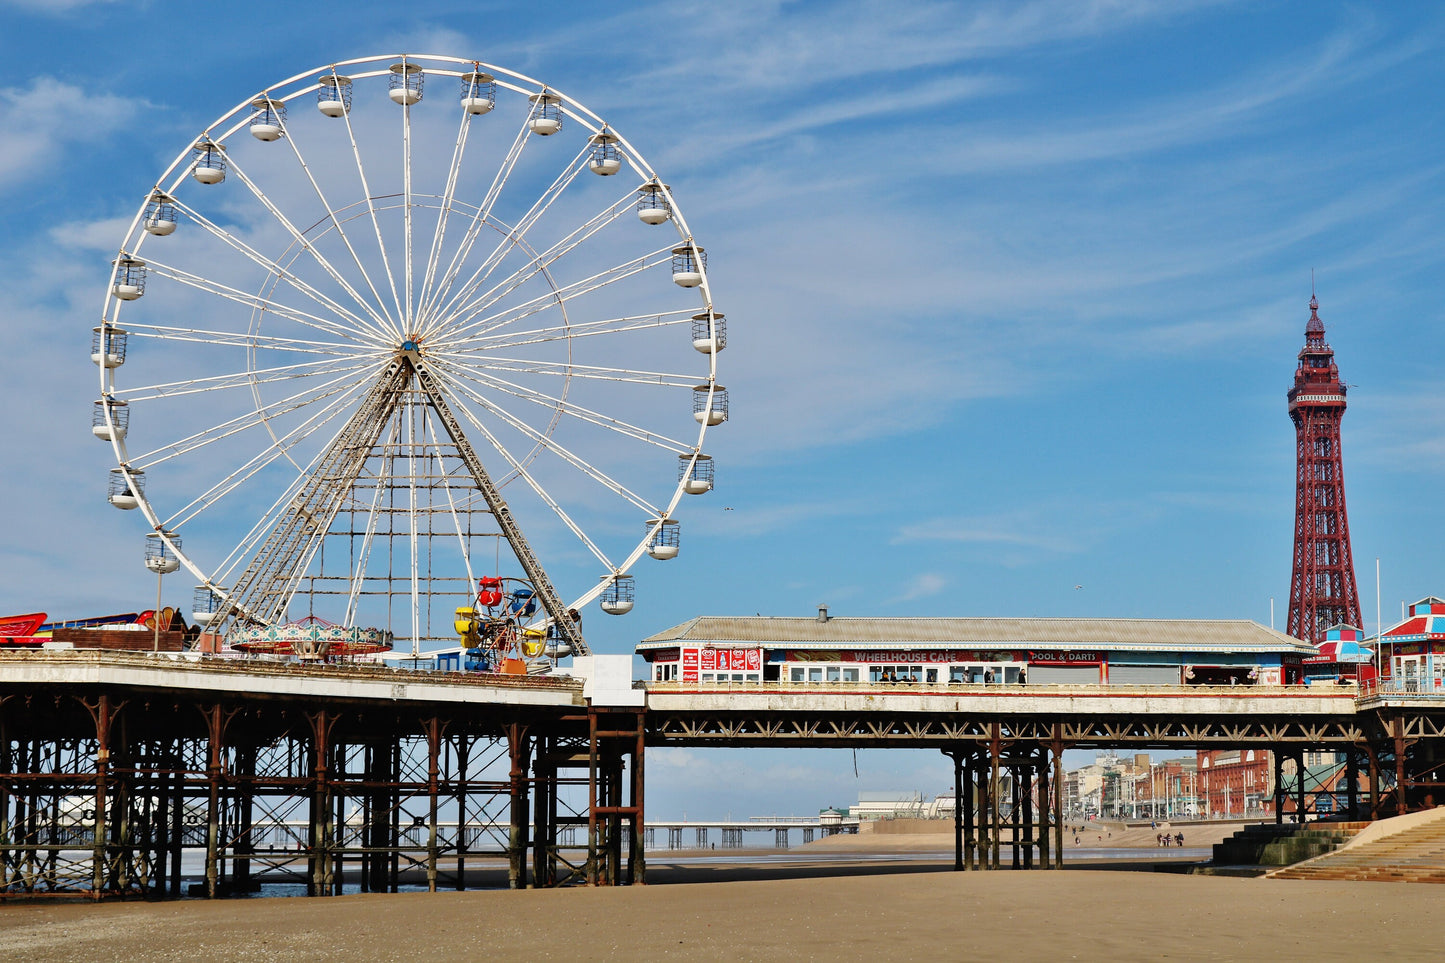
{"points": [[1406, 429], [1066, 525], [923, 586], [55, 7], [785, 47], [987, 531], [49, 114]]}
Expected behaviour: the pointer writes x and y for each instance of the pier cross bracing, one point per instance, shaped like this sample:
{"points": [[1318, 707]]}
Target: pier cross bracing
{"points": [[115, 768]]}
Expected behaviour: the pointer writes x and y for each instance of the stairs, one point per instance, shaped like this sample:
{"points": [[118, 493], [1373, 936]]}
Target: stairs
{"points": [[1415, 855], [1268, 844]]}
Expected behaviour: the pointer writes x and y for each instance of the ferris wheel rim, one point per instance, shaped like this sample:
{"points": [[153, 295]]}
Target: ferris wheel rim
{"points": [[234, 121]]}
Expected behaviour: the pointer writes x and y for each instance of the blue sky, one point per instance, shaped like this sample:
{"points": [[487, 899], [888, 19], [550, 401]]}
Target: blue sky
{"points": [[1014, 291]]}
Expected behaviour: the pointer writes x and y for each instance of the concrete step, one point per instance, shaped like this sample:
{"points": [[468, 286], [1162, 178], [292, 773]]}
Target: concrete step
{"points": [[1415, 854], [1283, 844]]}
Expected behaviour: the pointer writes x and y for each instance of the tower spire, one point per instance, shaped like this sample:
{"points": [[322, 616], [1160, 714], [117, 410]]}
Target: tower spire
{"points": [[1322, 584]]}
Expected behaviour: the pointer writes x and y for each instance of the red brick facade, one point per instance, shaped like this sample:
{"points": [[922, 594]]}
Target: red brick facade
{"points": [[1236, 782]]}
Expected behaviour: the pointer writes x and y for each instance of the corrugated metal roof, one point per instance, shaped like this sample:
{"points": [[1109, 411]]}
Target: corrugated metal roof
{"points": [[1199, 635]]}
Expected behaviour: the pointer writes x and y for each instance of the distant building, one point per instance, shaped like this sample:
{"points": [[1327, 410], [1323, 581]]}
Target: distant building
{"points": [[1236, 782], [1170, 789], [887, 805], [1121, 788], [830, 820]]}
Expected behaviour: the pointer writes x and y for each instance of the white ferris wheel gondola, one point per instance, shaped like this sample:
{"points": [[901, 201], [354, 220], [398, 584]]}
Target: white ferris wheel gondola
{"points": [[268, 119], [546, 115], [109, 419], [333, 95], [696, 473], [479, 92], [160, 215], [710, 404], [381, 369], [406, 83], [605, 159], [208, 162]]}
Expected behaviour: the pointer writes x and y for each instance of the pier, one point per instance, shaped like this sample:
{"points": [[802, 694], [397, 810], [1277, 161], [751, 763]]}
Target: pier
{"points": [[114, 764]]}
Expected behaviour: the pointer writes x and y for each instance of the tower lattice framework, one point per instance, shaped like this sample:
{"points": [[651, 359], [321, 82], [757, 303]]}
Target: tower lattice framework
{"points": [[1322, 586]]}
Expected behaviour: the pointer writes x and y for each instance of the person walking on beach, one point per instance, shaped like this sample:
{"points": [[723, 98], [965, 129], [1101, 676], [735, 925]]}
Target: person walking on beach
{"points": [[1179, 839]]}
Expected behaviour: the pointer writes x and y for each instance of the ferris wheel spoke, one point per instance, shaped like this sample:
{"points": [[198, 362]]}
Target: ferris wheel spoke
{"points": [[568, 369], [268, 342], [464, 548], [279, 447], [253, 301], [574, 330], [518, 233], [244, 379], [469, 321], [444, 213], [239, 424], [551, 444], [553, 403], [412, 523], [375, 224], [369, 534], [541, 262], [526, 476], [482, 213], [341, 229], [278, 270], [406, 316], [377, 310]]}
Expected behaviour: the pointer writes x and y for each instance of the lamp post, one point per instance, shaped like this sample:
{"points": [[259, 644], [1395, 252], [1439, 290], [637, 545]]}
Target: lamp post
{"points": [[161, 558]]}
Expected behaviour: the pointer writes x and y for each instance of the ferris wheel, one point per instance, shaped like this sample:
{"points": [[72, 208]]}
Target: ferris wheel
{"points": [[379, 318]]}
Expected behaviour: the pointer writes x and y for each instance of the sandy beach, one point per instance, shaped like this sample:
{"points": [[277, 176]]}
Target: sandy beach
{"points": [[879, 912]]}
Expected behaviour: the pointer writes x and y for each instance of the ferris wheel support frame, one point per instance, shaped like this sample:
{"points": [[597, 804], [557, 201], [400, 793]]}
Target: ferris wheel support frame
{"points": [[556, 610]]}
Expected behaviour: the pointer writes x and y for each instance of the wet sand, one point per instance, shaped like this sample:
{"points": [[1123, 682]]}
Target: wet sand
{"points": [[890, 913]]}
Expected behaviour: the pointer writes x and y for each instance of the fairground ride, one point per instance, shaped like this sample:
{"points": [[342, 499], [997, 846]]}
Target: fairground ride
{"points": [[379, 318]]}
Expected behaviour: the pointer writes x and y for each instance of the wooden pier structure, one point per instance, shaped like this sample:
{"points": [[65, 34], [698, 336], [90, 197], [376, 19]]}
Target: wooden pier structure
{"points": [[113, 765], [117, 768]]}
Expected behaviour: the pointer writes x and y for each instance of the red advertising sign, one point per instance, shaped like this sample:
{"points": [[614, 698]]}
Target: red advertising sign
{"points": [[719, 660]]}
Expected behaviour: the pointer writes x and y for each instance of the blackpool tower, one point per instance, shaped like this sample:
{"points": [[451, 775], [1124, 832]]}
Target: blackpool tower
{"points": [[1322, 586]]}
